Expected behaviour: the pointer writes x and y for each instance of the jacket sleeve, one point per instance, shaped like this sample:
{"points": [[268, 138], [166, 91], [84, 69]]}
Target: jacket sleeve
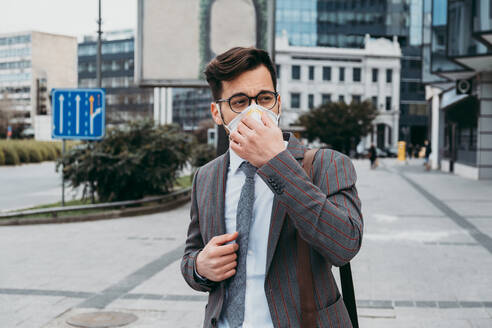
{"points": [[327, 214], [194, 244]]}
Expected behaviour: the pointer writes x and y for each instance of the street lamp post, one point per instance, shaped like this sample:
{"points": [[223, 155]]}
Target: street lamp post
{"points": [[98, 58]]}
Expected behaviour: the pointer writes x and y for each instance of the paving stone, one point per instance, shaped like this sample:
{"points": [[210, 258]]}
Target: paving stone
{"points": [[417, 267]]}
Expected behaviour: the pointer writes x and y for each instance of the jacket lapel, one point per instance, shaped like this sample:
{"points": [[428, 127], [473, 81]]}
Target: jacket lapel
{"points": [[220, 181], [297, 150]]}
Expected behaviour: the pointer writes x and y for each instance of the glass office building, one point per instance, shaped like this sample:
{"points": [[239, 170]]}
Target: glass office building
{"points": [[344, 23], [124, 100], [15, 73], [459, 50], [29, 69]]}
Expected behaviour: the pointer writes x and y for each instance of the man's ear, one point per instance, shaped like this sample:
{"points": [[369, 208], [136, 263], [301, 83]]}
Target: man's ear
{"points": [[215, 113]]}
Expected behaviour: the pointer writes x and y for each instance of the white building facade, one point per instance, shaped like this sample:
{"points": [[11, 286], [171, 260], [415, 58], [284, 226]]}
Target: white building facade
{"points": [[311, 76], [31, 64]]}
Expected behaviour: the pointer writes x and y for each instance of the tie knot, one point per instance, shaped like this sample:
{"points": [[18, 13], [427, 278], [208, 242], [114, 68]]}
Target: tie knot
{"points": [[248, 169]]}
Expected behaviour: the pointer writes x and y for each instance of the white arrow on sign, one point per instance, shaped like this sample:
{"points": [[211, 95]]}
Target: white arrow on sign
{"points": [[77, 114], [98, 111], [61, 98]]}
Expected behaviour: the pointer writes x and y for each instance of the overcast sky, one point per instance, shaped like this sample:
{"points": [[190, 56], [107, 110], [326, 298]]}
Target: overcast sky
{"points": [[72, 17]]}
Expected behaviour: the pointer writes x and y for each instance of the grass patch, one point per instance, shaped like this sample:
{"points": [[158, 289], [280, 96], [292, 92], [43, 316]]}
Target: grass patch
{"points": [[181, 183], [15, 152]]}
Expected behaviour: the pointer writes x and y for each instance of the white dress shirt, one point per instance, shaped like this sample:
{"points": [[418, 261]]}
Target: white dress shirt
{"points": [[256, 312]]}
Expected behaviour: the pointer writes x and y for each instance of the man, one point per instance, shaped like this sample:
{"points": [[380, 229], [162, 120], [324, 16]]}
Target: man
{"points": [[247, 204], [373, 156]]}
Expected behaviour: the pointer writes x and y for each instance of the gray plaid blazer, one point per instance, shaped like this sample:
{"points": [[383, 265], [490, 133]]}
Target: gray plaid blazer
{"points": [[327, 215]]}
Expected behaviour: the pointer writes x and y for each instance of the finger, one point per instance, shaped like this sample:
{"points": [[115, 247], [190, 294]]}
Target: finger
{"points": [[267, 120], [244, 131], [225, 238], [226, 259], [229, 274], [236, 147], [251, 123], [237, 137], [226, 249], [229, 266]]}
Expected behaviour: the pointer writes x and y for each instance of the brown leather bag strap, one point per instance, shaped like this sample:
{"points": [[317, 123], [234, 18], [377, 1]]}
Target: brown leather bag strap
{"points": [[304, 272]]}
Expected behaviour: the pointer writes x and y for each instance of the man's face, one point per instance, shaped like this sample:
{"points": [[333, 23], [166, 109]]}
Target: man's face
{"points": [[251, 83]]}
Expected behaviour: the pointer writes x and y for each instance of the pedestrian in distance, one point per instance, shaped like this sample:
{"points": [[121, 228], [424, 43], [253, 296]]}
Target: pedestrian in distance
{"points": [[428, 151], [248, 205], [373, 156], [410, 150]]}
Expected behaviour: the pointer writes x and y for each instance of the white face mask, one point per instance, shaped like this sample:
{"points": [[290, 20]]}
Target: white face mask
{"points": [[255, 111]]}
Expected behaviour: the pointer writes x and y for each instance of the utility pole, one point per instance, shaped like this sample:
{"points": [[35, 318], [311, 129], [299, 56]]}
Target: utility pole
{"points": [[98, 59], [98, 72]]}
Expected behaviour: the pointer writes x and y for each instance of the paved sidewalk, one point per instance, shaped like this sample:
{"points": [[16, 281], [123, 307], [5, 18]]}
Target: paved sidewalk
{"points": [[425, 262]]}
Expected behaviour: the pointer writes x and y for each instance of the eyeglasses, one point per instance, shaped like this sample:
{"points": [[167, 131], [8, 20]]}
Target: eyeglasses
{"points": [[241, 101]]}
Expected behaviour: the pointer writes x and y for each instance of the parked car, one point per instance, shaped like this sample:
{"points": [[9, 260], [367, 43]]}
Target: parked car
{"points": [[379, 153], [392, 152]]}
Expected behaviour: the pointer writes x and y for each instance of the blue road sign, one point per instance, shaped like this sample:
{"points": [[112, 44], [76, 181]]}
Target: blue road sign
{"points": [[78, 113]]}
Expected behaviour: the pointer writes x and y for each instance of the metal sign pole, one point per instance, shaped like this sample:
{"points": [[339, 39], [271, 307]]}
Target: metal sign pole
{"points": [[63, 175]]}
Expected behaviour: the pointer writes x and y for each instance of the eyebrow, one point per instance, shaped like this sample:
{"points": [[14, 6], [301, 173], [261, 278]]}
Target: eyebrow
{"points": [[244, 93]]}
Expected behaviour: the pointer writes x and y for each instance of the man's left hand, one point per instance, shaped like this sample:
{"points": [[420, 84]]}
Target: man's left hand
{"points": [[256, 142]]}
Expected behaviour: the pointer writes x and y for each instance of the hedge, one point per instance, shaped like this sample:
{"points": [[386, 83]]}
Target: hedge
{"points": [[14, 152]]}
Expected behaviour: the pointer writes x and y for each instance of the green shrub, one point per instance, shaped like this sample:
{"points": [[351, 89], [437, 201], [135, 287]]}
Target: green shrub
{"points": [[2, 157], [11, 156], [44, 152], [22, 152], [35, 155], [202, 154], [58, 148], [131, 162], [50, 151]]}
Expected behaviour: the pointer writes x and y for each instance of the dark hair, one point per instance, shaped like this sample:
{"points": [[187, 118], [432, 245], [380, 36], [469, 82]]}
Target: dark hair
{"points": [[234, 62]]}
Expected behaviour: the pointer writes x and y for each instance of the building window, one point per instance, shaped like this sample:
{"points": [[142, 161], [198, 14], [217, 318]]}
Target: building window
{"points": [[341, 98], [326, 73], [341, 76], [375, 75], [311, 101], [388, 103], [311, 73], [296, 72], [374, 100], [295, 100], [325, 98], [389, 75], [277, 68], [356, 99], [356, 74]]}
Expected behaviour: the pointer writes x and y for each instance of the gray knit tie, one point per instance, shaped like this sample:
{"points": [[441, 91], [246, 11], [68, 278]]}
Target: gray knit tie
{"points": [[234, 304]]}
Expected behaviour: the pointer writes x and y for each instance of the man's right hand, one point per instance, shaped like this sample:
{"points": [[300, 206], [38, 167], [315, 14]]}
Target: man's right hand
{"points": [[217, 261]]}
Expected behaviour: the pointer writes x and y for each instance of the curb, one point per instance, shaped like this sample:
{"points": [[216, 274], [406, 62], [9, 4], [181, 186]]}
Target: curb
{"points": [[114, 214]]}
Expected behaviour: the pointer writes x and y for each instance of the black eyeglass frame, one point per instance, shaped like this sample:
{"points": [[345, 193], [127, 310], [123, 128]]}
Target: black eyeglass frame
{"points": [[228, 100]]}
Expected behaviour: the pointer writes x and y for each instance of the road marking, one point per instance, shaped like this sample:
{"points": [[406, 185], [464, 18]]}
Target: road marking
{"points": [[483, 239], [368, 304], [110, 294]]}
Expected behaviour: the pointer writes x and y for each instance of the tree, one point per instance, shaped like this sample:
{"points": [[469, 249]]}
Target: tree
{"points": [[10, 117], [6, 113], [339, 125], [132, 161]]}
